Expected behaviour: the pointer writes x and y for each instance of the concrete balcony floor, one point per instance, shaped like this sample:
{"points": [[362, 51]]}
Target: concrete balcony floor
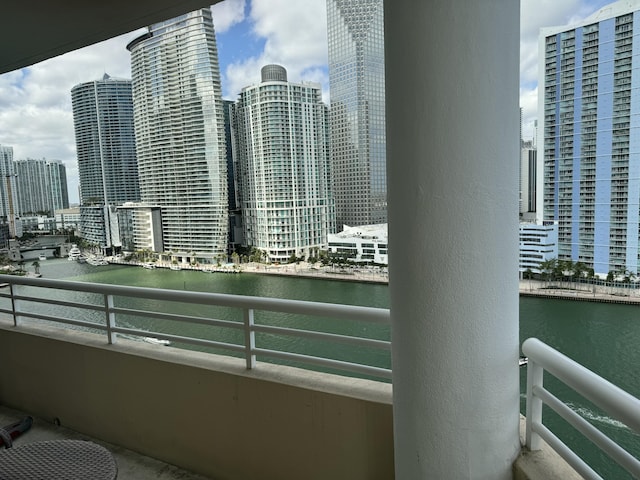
{"points": [[131, 465]]}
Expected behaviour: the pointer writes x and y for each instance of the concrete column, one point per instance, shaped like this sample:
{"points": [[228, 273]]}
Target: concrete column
{"points": [[452, 79]]}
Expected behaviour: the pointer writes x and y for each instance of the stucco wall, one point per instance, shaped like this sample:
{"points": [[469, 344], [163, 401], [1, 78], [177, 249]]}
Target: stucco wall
{"points": [[201, 412]]}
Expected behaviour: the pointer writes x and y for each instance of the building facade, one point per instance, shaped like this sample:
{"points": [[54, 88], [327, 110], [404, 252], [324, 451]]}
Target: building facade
{"points": [[140, 227], [355, 30], [527, 187], [9, 213], [362, 244], [106, 150], [538, 243], [590, 98], [179, 125], [282, 164], [42, 186]]}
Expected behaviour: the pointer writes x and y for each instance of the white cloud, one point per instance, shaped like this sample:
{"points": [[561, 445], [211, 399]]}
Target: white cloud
{"points": [[294, 36], [226, 14]]}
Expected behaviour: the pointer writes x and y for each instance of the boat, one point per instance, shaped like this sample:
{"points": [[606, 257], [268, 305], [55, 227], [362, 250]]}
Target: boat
{"points": [[175, 267], [96, 261], [522, 361], [156, 341], [148, 266], [74, 252], [42, 257]]}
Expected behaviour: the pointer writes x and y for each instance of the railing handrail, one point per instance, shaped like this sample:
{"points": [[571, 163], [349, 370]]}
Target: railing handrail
{"points": [[613, 400], [247, 304]]}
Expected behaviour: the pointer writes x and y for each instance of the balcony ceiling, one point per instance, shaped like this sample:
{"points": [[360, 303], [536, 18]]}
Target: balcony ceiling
{"points": [[34, 30]]}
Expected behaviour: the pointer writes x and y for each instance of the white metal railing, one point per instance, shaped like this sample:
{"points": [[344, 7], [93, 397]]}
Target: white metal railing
{"points": [[611, 399], [110, 312]]}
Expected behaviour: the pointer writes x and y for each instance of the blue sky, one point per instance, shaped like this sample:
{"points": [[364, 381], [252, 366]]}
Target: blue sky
{"points": [[35, 103]]}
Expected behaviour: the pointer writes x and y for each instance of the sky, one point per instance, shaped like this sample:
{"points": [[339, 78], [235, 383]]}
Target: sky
{"points": [[35, 102]]}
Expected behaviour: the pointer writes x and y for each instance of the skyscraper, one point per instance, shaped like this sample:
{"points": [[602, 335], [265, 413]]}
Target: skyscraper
{"points": [[180, 135], [355, 31], [8, 192], [106, 150], [282, 161], [41, 185], [589, 101]]}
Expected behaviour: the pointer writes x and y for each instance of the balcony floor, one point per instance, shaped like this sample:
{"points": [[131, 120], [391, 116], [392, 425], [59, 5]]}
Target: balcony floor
{"points": [[131, 466]]}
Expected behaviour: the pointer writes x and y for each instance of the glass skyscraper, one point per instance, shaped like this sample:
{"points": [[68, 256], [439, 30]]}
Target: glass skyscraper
{"points": [[590, 105], [42, 186], [106, 150], [282, 166], [355, 31], [179, 125]]}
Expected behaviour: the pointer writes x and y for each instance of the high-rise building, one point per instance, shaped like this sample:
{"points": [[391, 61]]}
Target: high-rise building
{"points": [[9, 214], [42, 186], [179, 125], [589, 102], [355, 30], [527, 187], [282, 161], [106, 150]]}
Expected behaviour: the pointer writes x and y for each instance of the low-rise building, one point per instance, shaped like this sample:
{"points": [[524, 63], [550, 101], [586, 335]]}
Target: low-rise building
{"points": [[538, 243], [362, 244]]}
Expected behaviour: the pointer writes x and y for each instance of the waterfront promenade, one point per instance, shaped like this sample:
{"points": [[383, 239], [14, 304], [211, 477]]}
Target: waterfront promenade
{"points": [[580, 292]]}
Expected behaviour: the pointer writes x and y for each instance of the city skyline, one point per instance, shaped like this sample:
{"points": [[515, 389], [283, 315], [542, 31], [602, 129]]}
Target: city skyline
{"points": [[35, 108]]}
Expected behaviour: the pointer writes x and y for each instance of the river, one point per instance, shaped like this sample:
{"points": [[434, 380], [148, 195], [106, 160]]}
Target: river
{"points": [[603, 337]]}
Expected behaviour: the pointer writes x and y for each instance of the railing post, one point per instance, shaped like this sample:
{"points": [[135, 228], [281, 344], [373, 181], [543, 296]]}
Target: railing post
{"points": [[15, 308], [249, 338], [111, 319], [535, 374]]}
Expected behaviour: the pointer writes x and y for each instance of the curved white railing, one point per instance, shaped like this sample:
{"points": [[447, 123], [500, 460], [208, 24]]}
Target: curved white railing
{"points": [[246, 304], [614, 401]]}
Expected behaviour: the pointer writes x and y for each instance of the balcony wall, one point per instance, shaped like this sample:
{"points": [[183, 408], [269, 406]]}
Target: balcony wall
{"points": [[201, 412]]}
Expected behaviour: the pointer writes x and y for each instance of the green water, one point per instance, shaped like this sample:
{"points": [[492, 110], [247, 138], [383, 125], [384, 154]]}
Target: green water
{"points": [[603, 337]]}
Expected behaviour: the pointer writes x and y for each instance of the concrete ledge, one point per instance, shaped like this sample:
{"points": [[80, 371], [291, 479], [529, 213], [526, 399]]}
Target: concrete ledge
{"points": [[543, 464], [201, 412]]}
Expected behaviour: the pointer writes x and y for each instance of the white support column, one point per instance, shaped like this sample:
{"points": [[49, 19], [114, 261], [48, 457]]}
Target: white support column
{"points": [[452, 76]]}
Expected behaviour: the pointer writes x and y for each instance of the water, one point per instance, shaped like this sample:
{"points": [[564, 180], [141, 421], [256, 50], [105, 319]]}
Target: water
{"points": [[603, 337]]}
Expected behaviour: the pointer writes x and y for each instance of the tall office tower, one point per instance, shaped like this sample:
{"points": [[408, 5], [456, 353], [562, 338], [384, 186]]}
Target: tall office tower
{"points": [[528, 156], [180, 135], [42, 186], [590, 102], [106, 150], [355, 30], [282, 160], [8, 193]]}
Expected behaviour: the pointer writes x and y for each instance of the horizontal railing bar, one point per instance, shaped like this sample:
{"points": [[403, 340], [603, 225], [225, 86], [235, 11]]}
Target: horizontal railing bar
{"points": [[565, 452], [366, 314], [326, 362], [68, 321], [178, 318], [611, 448], [180, 339], [607, 396], [331, 337], [65, 303]]}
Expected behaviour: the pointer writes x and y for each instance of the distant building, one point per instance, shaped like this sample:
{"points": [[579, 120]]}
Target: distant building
{"points": [[362, 244], [106, 149], [179, 124], [38, 223], [528, 168], [355, 31], [538, 243], [42, 186], [68, 219], [282, 160], [140, 227], [589, 101], [9, 213]]}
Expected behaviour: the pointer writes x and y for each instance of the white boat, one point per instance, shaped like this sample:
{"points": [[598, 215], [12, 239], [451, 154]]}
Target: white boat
{"points": [[97, 261], [42, 257], [522, 361], [148, 266], [175, 267], [74, 252], [156, 341]]}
